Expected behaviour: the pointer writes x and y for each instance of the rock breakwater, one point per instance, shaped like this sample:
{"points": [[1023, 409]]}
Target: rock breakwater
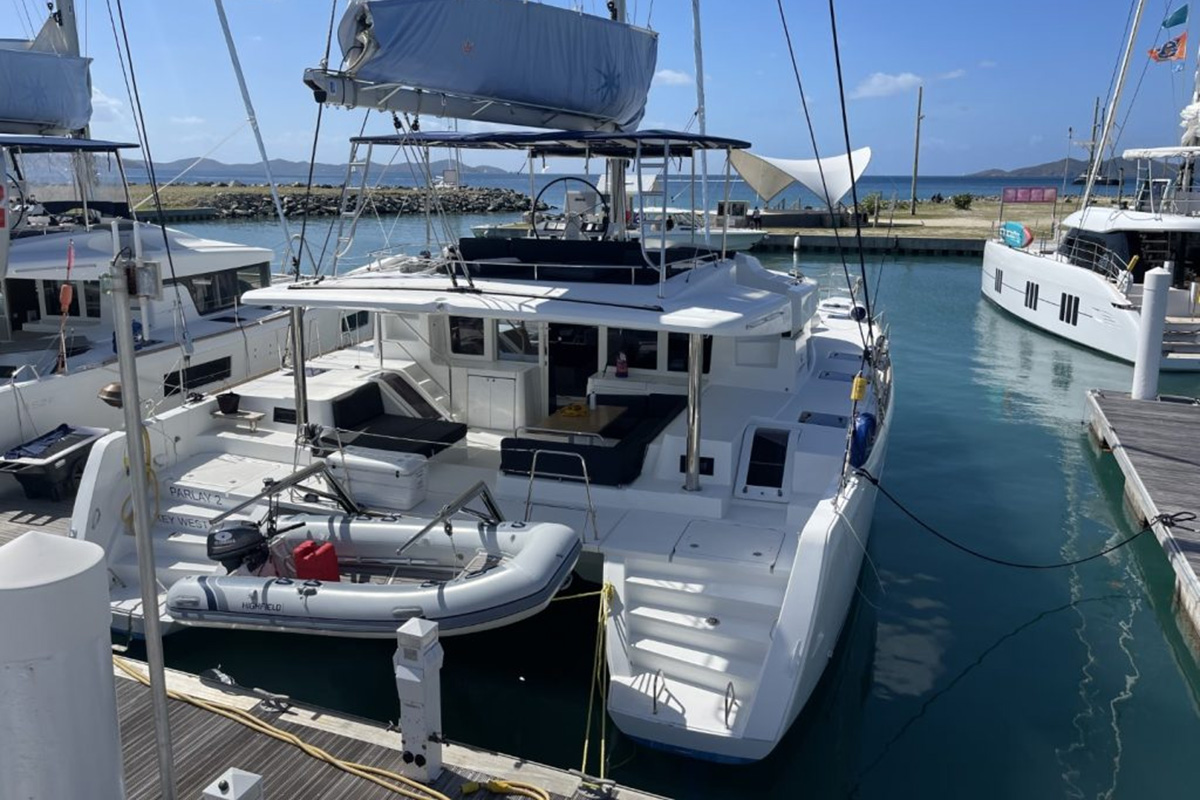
{"points": [[249, 204]]}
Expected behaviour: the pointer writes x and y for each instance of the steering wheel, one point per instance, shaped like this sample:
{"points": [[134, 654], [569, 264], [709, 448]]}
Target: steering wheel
{"points": [[20, 196], [538, 199]]}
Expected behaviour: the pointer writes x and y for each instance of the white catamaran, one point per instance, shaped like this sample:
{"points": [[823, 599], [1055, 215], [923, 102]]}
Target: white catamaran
{"points": [[65, 215], [701, 427]]}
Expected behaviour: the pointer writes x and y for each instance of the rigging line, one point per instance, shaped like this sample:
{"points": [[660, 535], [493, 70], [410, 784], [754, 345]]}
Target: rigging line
{"points": [[812, 136], [145, 134], [26, 20], [312, 162], [966, 671], [329, 230], [192, 166], [1112, 78], [1168, 520], [862, 264]]}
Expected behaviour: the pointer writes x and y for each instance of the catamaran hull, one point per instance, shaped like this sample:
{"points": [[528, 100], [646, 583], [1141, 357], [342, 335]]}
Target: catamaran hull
{"points": [[1069, 302], [820, 594]]}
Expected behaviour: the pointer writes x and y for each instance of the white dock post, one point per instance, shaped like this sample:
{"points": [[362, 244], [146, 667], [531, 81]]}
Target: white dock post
{"points": [[58, 704], [418, 664], [1155, 291]]}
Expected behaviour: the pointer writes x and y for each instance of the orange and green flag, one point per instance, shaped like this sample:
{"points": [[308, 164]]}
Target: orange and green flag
{"points": [[1171, 50]]}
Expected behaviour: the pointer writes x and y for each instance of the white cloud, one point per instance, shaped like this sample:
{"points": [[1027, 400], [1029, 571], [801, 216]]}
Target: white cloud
{"points": [[952, 74], [107, 109], [189, 120], [988, 65], [671, 77], [880, 84]]}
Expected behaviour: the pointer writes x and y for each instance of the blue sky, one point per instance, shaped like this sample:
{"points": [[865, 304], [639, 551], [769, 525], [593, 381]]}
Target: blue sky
{"points": [[1003, 81]]}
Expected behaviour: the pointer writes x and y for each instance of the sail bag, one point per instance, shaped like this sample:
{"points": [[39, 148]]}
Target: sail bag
{"points": [[538, 63]]}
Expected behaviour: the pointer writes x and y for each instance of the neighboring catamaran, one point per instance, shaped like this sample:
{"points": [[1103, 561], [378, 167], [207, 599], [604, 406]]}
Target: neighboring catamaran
{"points": [[65, 215]]}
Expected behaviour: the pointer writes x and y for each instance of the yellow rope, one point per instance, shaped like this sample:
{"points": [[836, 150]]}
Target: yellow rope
{"points": [[599, 682], [381, 777], [596, 593]]}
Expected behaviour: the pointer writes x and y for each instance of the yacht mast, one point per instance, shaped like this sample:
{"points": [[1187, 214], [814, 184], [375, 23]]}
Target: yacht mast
{"points": [[701, 124], [1112, 106], [616, 166]]}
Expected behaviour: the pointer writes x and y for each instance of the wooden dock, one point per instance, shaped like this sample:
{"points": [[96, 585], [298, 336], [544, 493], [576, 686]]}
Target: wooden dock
{"points": [[207, 744], [1157, 445]]}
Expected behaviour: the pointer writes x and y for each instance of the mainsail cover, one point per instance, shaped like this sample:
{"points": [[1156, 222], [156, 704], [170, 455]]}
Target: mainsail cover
{"points": [[42, 91], [506, 61], [770, 176]]}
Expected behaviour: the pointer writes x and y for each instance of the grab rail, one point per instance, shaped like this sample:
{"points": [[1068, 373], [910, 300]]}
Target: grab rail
{"points": [[456, 505], [656, 689], [587, 486], [730, 700]]}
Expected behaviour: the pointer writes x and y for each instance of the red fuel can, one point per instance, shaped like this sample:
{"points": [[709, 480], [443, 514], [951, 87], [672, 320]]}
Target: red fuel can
{"points": [[316, 562]]}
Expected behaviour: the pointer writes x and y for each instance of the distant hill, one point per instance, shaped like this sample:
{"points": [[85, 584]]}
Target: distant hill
{"points": [[207, 169], [1054, 169]]}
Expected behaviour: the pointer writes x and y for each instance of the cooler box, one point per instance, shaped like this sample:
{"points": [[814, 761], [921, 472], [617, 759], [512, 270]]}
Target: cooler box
{"points": [[395, 481], [316, 561]]}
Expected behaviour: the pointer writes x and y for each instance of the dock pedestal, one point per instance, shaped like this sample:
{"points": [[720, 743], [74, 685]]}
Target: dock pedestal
{"points": [[418, 665]]}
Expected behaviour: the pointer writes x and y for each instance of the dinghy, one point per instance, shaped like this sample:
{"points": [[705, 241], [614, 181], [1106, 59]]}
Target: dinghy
{"points": [[350, 575]]}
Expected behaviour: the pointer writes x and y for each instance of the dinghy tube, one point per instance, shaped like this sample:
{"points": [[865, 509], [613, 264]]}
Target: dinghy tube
{"points": [[467, 576]]}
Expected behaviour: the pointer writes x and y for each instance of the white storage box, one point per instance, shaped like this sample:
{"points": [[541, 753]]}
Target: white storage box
{"points": [[395, 481]]}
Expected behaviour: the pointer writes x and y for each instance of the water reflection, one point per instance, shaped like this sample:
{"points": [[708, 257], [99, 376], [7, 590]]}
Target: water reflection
{"points": [[1036, 374]]}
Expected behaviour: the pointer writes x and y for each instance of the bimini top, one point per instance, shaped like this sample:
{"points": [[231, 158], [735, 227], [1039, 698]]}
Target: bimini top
{"points": [[578, 144], [736, 299], [1161, 152], [60, 144]]}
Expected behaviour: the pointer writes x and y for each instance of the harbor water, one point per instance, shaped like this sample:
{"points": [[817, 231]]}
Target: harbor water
{"points": [[954, 677]]}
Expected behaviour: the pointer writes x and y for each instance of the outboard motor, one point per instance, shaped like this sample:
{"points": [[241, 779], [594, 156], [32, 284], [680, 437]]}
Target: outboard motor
{"points": [[236, 543]]}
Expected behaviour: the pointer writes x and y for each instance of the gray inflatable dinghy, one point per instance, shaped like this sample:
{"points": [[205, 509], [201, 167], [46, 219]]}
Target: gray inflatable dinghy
{"points": [[380, 571]]}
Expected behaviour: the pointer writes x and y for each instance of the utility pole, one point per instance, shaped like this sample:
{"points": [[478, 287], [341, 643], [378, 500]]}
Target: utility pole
{"points": [[916, 152]]}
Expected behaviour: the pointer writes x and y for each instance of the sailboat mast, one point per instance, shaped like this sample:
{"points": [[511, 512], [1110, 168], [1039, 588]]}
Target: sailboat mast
{"points": [[1112, 106], [700, 121], [65, 16], [616, 166]]}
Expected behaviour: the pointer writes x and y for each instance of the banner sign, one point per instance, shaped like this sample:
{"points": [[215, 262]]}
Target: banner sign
{"points": [[1030, 194]]}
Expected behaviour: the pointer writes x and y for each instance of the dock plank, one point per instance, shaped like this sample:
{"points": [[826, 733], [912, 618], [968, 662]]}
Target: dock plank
{"points": [[205, 744], [1157, 445]]}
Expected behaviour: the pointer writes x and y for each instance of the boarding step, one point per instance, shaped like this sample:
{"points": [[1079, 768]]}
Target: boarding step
{"points": [[169, 568], [652, 696], [708, 595], [714, 671], [712, 632]]}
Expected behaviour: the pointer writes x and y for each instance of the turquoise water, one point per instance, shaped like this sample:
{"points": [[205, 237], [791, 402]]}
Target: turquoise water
{"points": [[954, 677]]}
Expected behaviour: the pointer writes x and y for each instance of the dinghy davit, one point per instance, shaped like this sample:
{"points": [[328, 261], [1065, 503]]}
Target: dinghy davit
{"points": [[350, 575]]}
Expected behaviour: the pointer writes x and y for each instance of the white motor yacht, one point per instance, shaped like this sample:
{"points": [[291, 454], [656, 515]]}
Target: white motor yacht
{"points": [[1085, 285]]}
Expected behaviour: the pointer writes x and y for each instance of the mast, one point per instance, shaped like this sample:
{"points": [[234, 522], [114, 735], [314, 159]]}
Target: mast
{"points": [[1112, 106], [65, 17], [616, 166], [700, 121]]}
